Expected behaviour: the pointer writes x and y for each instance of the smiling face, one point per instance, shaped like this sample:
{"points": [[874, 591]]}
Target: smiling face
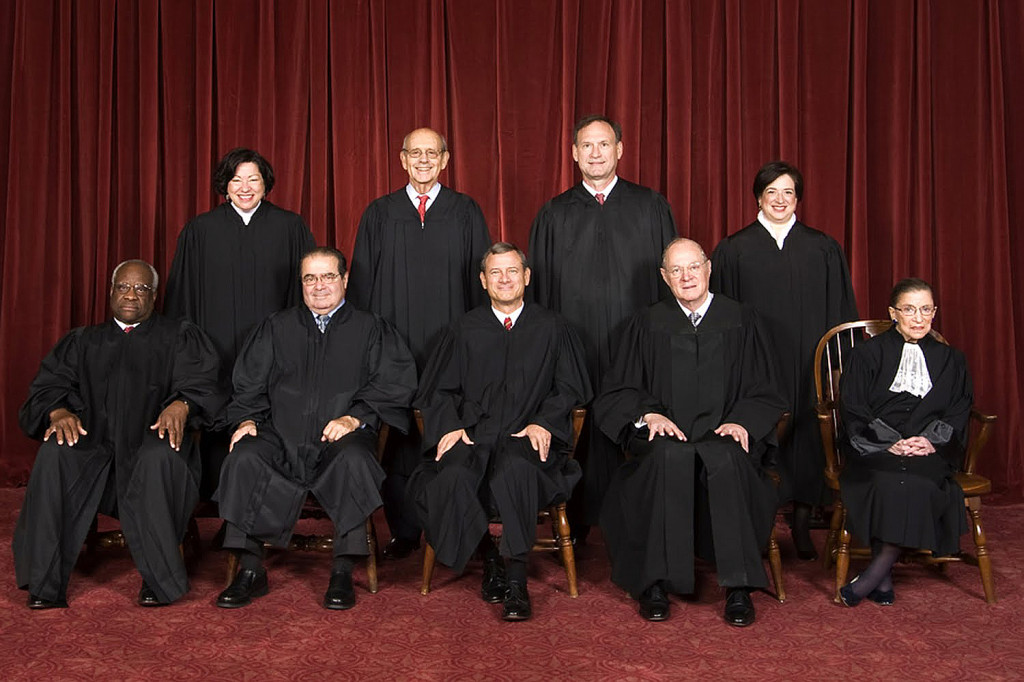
{"points": [[322, 287], [423, 158], [917, 324], [687, 272], [505, 280], [245, 189], [132, 293], [597, 153], [778, 200]]}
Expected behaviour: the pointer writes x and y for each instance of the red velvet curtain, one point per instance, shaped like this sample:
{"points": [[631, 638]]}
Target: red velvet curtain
{"points": [[902, 116]]}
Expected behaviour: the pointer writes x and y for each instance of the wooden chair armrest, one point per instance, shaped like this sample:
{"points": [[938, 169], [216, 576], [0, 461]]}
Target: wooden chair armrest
{"points": [[979, 439]]}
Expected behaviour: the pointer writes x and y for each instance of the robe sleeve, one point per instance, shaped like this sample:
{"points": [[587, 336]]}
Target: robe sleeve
{"points": [[758, 404], [542, 257], [723, 270], [389, 390], [440, 397], [841, 301], [478, 241], [300, 241], [571, 387], [365, 257], [194, 376], [958, 410], [55, 385], [864, 432], [623, 398], [251, 378], [180, 300]]}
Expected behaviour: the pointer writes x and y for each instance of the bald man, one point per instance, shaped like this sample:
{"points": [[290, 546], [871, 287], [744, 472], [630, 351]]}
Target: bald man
{"points": [[415, 263]]}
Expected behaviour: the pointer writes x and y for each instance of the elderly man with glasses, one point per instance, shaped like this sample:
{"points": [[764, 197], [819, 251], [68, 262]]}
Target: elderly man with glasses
{"points": [[312, 385]]}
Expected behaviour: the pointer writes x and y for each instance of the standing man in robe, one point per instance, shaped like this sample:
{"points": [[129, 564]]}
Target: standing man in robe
{"points": [[415, 264], [497, 398], [693, 399], [233, 266], [112, 403], [312, 386], [595, 250]]}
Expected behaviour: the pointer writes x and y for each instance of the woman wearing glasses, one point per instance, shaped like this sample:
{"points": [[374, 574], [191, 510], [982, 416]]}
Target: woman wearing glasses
{"points": [[905, 400]]}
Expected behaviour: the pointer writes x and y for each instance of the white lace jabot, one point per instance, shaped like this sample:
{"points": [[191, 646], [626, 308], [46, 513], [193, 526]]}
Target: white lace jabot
{"points": [[912, 375]]}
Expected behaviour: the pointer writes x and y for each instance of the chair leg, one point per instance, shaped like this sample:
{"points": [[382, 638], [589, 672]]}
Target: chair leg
{"points": [[560, 529], [775, 562], [428, 569], [833, 534], [371, 558], [232, 565], [984, 560], [842, 558]]}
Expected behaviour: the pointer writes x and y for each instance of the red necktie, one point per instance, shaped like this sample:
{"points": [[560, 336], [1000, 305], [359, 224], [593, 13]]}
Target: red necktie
{"points": [[508, 324], [600, 198], [128, 330], [423, 208]]}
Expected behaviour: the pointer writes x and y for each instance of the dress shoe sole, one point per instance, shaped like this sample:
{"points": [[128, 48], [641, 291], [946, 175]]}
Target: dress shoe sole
{"points": [[338, 605], [740, 623], [40, 605], [515, 617], [150, 603], [655, 618]]}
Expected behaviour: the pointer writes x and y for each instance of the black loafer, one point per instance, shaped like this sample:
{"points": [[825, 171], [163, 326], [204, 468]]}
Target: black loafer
{"points": [[399, 548], [739, 608], [246, 586], [654, 604], [517, 602], [38, 604], [848, 596], [147, 597], [494, 585], [885, 598], [340, 594]]}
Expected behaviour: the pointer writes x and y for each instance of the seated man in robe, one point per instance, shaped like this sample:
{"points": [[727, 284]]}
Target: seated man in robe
{"points": [[497, 397], [111, 403], [313, 384], [692, 398]]}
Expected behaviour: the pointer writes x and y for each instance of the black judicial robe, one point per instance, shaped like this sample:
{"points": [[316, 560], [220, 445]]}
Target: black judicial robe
{"points": [[906, 501], [420, 278], [799, 292], [699, 378], [596, 265], [228, 276], [291, 379], [117, 384], [493, 383]]}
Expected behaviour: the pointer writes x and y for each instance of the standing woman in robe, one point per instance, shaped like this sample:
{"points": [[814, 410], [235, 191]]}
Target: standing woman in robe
{"points": [[797, 279], [234, 266], [905, 401]]}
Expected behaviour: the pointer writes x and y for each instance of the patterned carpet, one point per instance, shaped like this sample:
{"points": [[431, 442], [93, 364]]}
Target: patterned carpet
{"points": [[939, 629]]}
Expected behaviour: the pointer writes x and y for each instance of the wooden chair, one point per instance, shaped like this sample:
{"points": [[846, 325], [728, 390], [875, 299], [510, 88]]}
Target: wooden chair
{"points": [[560, 540], [830, 356], [311, 509], [774, 555]]}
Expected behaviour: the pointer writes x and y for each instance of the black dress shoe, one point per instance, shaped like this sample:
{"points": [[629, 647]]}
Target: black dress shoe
{"points": [[494, 585], [654, 603], [246, 586], [517, 602], [885, 598], [399, 548], [147, 597], [340, 594], [739, 608], [38, 604]]}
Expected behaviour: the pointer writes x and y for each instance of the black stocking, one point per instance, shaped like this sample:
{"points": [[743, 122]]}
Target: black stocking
{"points": [[878, 574]]}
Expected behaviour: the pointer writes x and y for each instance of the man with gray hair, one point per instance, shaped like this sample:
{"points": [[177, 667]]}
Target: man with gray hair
{"points": [[112, 404], [415, 264]]}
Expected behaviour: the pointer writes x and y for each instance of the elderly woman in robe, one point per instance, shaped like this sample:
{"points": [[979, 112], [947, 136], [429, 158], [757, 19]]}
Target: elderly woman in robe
{"points": [[905, 401]]}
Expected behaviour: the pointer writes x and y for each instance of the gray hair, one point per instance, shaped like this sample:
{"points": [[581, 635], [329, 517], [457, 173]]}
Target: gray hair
{"points": [[681, 240], [135, 261], [498, 248]]}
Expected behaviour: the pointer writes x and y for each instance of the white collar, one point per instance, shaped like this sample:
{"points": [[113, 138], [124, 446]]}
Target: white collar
{"points": [[778, 232], [702, 310], [246, 216], [912, 375], [414, 196], [514, 314], [606, 191]]}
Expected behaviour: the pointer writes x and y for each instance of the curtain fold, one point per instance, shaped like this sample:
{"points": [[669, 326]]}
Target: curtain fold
{"points": [[904, 118]]}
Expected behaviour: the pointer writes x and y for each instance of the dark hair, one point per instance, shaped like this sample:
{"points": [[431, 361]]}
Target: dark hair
{"points": [[905, 286], [328, 251], [225, 169], [772, 171], [596, 118], [499, 248]]}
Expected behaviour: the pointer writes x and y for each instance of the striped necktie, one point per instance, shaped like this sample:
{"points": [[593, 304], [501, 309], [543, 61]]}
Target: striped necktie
{"points": [[321, 322], [508, 324]]}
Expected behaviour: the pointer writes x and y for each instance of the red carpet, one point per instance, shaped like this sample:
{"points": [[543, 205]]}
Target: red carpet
{"points": [[939, 629]]}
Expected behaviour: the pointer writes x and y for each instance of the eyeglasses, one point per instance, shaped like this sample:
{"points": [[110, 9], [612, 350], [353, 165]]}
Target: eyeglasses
{"points": [[326, 278], [925, 310], [693, 268], [417, 153], [140, 289]]}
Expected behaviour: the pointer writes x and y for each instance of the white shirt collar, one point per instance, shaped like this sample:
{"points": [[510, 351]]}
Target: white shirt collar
{"points": [[778, 232], [606, 191], [702, 310], [414, 196], [245, 215], [330, 314], [125, 325], [514, 314]]}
